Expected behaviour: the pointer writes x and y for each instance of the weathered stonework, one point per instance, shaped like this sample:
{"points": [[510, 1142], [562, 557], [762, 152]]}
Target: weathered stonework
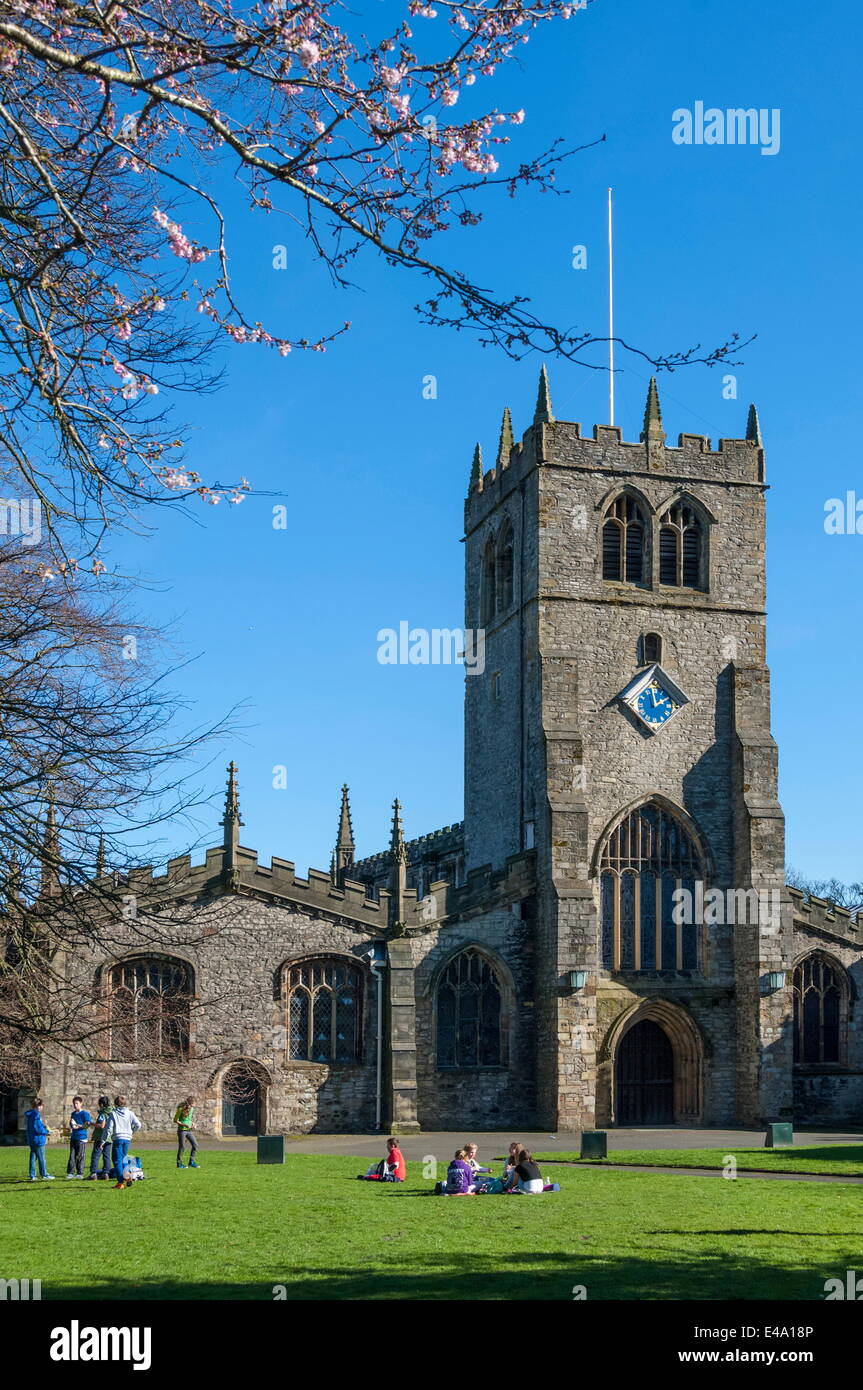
{"points": [[553, 762]]}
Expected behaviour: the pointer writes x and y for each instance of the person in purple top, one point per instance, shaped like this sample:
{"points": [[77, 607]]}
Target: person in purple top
{"points": [[459, 1176]]}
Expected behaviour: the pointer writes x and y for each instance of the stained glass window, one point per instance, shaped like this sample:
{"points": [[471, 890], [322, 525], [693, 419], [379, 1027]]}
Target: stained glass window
{"points": [[149, 1005], [469, 1013], [323, 1011], [817, 1011], [647, 857]]}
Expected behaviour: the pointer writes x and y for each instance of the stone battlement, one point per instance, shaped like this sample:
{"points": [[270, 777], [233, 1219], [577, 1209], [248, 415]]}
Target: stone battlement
{"points": [[820, 915]]}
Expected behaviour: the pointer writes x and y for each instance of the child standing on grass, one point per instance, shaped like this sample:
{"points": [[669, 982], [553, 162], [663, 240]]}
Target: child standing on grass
{"points": [[79, 1123], [184, 1119], [37, 1137], [122, 1124], [101, 1149]]}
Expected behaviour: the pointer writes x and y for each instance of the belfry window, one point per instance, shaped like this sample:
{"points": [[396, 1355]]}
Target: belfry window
{"points": [[680, 548], [469, 1013], [322, 1004], [149, 1006], [646, 858], [624, 534], [817, 1011], [504, 569], [487, 596]]}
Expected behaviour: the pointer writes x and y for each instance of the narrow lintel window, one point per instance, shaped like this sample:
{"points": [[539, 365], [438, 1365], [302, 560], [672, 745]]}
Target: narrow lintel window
{"points": [[651, 648]]}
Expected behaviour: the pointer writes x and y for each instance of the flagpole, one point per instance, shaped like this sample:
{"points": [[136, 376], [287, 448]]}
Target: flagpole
{"points": [[610, 316]]}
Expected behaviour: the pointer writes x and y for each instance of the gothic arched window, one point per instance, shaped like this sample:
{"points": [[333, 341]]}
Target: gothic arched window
{"points": [[487, 584], [150, 1002], [680, 548], [624, 542], [818, 994], [323, 1011], [504, 568], [468, 1008], [646, 858], [651, 648]]}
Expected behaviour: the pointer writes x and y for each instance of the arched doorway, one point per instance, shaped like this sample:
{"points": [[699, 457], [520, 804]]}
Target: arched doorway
{"points": [[645, 1076], [242, 1100], [651, 1075], [9, 1107]]}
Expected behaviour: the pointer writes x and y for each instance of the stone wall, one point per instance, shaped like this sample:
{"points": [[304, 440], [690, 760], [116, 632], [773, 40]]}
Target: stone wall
{"points": [[832, 1094], [235, 946]]}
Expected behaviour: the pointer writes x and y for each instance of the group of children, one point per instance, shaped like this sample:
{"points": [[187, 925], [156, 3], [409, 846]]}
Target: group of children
{"points": [[465, 1177], [112, 1133]]}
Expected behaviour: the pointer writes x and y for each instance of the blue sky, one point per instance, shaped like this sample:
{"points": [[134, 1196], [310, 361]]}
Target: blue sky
{"points": [[709, 240]]}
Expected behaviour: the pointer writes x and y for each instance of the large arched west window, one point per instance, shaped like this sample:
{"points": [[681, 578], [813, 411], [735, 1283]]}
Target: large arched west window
{"points": [[647, 856], [504, 569], [150, 1002], [487, 603], [468, 1010], [624, 542], [819, 996], [682, 560], [323, 1009]]}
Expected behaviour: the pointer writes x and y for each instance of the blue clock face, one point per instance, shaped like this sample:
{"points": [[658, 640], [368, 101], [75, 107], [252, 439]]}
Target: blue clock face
{"points": [[655, 705]]}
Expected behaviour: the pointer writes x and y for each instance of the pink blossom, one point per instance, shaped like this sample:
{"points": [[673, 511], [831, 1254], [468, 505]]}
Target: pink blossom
{"points": [[308, 53]]}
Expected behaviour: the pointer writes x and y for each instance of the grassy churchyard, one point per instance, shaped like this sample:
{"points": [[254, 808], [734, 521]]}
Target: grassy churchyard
{"points": [[309, 1230]]}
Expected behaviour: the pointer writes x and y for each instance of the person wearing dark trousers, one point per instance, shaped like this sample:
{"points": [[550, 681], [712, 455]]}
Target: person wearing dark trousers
{"points": [[100, 1149], [122, 1124], [37, 1137], [79, 1124], [184, 1119]]}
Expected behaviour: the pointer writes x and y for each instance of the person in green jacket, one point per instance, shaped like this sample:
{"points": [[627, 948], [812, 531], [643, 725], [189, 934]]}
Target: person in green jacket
{"points": [[185, 1122]]}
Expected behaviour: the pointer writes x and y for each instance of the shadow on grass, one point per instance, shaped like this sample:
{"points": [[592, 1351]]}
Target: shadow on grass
{"points": [[832, 1153], [515, 1276]]}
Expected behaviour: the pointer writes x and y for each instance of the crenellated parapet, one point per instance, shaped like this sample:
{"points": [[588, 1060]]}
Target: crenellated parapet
{"points": [[549, 442], [820, 915]]}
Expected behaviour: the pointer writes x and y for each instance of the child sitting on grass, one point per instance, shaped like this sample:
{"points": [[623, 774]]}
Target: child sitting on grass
{"points": [[459, 1176], [390, 1169]]}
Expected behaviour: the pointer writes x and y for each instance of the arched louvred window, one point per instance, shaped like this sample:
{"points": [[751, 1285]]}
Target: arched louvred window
{"points": [[468, 1008], [323, 1009], [646, 858], [681, 548], [487, 585], [651, 648], [150, 1006], [503, 588], [624, 538], [818, 1009]]}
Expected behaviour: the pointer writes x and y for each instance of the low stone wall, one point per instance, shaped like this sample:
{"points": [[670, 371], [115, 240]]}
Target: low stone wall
{"points": [[828, 1097]]}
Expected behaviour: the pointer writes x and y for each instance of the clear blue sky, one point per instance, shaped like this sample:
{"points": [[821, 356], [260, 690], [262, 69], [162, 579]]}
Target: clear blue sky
{"points": [[709, 240]]}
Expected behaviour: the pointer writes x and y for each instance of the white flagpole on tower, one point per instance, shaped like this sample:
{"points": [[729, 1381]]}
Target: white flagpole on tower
{"points": [[610, 316]]}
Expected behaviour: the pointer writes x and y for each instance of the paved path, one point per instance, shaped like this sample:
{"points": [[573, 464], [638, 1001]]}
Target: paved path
{"points": [[491, 1143]]}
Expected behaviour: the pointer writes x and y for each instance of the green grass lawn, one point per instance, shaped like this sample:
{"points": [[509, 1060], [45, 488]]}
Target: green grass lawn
{"points": [[840, 1160], [234, 1230]]}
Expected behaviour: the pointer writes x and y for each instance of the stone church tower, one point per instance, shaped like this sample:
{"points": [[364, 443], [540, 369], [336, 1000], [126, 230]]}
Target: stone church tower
{"points": [[591, 561]]}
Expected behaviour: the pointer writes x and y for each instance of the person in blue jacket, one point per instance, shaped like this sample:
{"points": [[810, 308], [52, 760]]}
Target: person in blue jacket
{"points": [[37, 1135]]}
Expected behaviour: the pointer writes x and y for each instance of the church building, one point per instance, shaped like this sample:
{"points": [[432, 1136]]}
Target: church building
{"points": [[605, 939]]}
